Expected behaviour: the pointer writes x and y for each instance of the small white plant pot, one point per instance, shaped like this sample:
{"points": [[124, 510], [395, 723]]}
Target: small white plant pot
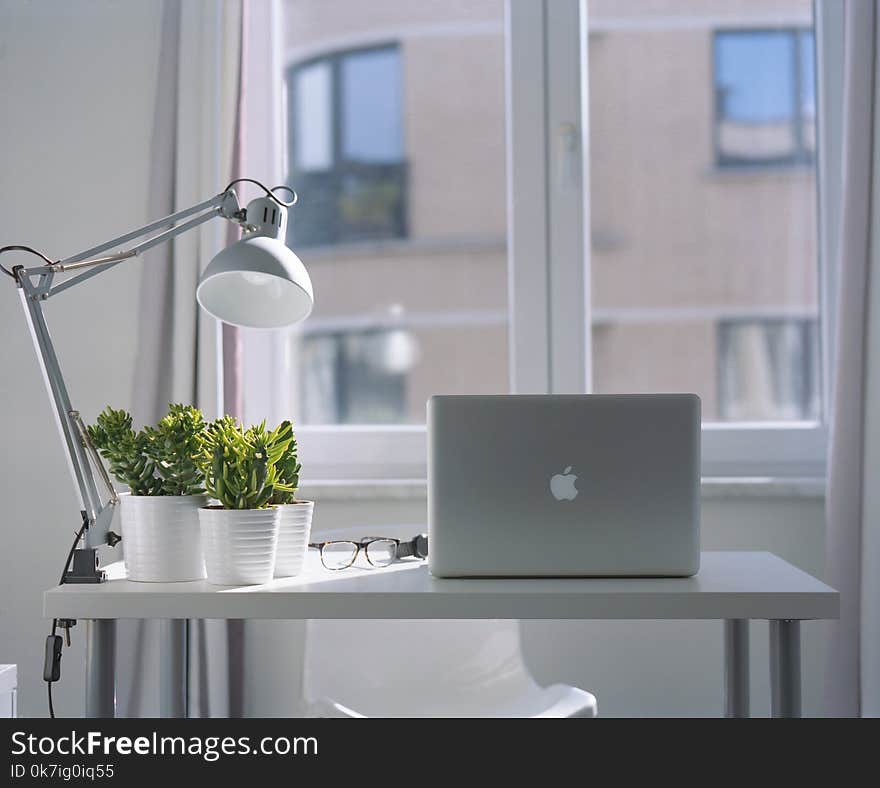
{"points": [[161, 539], [293, 537], [239, 544]]}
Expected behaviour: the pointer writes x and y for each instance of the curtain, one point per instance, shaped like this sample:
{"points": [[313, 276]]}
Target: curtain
{"points": [[853, 508], [180, 350], [268, 651]]}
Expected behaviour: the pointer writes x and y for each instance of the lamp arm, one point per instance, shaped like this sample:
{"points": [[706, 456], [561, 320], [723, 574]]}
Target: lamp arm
{"points": [[97, 515], [35, 286], [225, 205]]}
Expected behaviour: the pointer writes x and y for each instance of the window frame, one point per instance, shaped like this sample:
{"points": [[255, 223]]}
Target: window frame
{"points": [[801, 156], [549, 258]]}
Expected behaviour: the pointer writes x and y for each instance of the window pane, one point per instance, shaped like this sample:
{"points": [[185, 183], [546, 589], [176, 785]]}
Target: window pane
{"points": [[704, 278], [356, 377], [755, 84], [349, 162], [405, 246], [755, 73], [371, 109], [768, 369], [312, 128]]}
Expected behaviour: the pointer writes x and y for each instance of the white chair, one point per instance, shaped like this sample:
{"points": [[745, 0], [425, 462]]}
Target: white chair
{"points": [[8, 690], [421, 668]]}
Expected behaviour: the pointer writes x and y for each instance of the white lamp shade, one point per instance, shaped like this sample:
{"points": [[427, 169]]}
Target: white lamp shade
{"points": [[256, 283]]}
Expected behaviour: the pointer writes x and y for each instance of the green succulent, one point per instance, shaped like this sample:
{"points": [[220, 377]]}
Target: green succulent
{"points": [[160, 460], [288, 465], [125, 452], [174, 445], [241, 465]]}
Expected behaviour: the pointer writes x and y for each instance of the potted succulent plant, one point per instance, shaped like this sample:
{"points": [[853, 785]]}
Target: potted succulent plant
{"points": [[160, 522], [240, 531], [296, 515]]}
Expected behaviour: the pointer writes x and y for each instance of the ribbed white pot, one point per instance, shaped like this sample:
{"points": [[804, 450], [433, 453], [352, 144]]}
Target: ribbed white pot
{"points": [[293, 537], [239, 544], [161, 539]]}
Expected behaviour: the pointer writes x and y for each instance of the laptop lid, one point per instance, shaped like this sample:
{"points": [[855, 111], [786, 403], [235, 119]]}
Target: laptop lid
{"points": [[561, 485]]}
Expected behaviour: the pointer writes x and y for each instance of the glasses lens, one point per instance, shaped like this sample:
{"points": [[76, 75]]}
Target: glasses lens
{"points": [[338, 555], [381, 552]]}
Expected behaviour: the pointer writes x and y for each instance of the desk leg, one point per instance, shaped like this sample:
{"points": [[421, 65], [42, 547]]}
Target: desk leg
{"points": [[736, 667], [101, 668], [173, 648], [785, 668]]}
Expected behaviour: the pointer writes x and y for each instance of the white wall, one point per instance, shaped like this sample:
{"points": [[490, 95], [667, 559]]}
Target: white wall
{"points": [[77, 88]]}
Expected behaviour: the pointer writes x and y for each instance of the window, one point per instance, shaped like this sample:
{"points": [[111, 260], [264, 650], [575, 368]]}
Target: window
{"points": [[571, 149], [768, 370], [347, 147], [765, 97], [356, 377]]}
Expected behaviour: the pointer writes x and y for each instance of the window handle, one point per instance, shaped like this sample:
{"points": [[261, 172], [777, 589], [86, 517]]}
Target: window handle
{"points": [[567, 155]]}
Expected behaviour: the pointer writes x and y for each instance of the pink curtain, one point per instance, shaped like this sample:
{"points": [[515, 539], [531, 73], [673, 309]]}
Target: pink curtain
{"points": [[232, 343]]}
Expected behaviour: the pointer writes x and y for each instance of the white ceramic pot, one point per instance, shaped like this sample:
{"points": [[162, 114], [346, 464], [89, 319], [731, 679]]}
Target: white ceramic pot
{"points": [[239, 544], [293, 537], [161, 539]]}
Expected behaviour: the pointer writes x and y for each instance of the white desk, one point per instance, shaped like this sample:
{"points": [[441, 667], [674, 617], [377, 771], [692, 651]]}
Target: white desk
{"points": [[731, 586]]}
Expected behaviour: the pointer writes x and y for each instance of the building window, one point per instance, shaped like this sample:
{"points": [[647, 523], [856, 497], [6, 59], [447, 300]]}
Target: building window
{"points": [[769, 370], [346, 147], [357, 376], [765, 97]]}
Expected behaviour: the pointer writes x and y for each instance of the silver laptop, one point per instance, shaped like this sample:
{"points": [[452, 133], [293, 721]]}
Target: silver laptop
{"points": [[588, 485]]}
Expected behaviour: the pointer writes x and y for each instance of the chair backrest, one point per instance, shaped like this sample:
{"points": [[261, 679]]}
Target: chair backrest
{"points": [[384, 665]]}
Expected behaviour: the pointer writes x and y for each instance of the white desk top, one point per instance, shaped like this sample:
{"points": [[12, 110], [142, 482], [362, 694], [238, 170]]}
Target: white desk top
{"points": [[729, 585]]}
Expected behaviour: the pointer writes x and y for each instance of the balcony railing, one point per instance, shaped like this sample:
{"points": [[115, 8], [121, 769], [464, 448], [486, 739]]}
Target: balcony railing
{"points": [[353, 202]]}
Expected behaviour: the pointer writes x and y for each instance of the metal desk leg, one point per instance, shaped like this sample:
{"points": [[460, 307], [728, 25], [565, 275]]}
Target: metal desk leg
{"points": [[736, 667], [101, 668], [173, 648], [785, 668]]}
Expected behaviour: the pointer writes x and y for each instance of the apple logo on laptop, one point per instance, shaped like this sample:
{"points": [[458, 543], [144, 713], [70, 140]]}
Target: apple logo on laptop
{"points": [[562, 485]]}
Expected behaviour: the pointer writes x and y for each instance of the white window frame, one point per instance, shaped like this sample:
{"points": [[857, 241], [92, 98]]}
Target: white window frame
{"points": [[546, 43]]}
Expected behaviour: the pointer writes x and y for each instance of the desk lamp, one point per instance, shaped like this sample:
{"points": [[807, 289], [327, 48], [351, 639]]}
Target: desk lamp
{"points": [[256, 282]]}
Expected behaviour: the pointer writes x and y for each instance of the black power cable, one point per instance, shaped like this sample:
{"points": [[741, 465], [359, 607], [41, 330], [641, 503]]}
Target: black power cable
{"points": [[21, 248], [269, 192], [50, 681]]}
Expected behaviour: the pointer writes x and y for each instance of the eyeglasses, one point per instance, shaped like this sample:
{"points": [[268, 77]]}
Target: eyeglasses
{"points": [[379, 551]]}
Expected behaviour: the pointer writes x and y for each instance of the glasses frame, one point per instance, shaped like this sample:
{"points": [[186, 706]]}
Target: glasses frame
{"points": [[364, 545], [417, 547]]}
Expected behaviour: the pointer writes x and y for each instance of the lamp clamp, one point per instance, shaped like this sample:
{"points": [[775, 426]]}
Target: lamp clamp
{"points": [[85, 567]]}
